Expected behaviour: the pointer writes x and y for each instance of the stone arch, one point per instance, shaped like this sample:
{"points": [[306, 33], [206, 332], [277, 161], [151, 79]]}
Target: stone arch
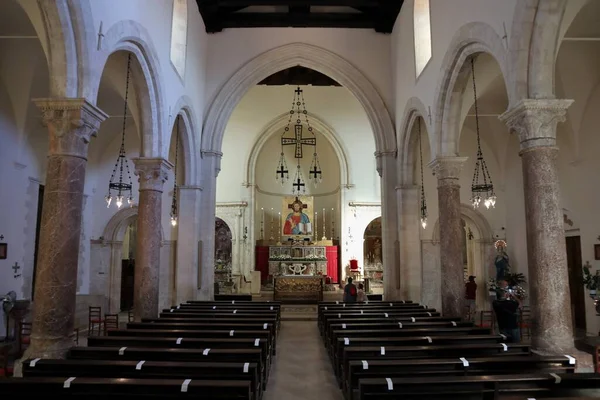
{"points": [[183, 108], [278, 123], [132, 37], [413, 110], [113, 235], [478, 220], [472, 38], [287, 56]]}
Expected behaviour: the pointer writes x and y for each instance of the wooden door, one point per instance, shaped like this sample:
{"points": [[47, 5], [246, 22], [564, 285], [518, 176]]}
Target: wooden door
{"points": [[576, 282], [127, 275]]}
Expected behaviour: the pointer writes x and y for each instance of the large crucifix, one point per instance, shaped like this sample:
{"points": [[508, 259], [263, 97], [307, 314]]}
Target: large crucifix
{"points": [[298, 141]]}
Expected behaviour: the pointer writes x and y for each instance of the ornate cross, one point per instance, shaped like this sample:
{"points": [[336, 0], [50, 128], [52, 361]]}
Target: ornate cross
{"points": [[1, 237], [291, 206], [281, 171], [314, 172], [299, 141], [298, 184]]}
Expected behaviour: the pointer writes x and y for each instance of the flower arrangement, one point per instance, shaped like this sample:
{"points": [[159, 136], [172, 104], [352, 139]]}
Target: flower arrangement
{"points": [[591, 282], [514, 282], [282, 257], [315, 257]]}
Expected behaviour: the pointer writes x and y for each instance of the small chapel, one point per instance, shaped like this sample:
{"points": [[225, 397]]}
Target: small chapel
{"points": [[300, 199]]}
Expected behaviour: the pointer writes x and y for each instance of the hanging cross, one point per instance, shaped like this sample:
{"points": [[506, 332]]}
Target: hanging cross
{"points": [[298, 184], [314, 172], [299, 141], [281, 171]]}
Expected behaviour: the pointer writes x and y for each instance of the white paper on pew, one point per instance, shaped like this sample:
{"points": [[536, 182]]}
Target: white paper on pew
{"points": [[171, 310], [205, 352], [185, 385], [366, 302], [339, 315], [400, 324], [382, 351], [139, 365], [178, 307], [265, 326], [413, 319], [504, 346], [179, 340], [235, 311], [390, 384], [386, 315], [34, 361], [572, 360], [402, 301], [346, 341], [343, 326], [344, 305], [503, 337], [391, 304], [453, 323], [464, 361], [325, 308], [67, 383], [232, 301], [256, 342], [214, 307], [362, 312], [271, 308], [557, 379], [122, 351], [246, 367], [231, 332], [337, 302], [428, 339], [365, 364], [429, 314]]}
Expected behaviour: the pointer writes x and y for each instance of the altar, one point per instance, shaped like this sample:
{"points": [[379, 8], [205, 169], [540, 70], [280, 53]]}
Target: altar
{"points": [[298, 288], [309, 260]]}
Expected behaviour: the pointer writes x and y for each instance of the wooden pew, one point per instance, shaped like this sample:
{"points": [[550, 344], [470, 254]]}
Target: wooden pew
{"points": [[233, 297], [148, 370], [125, 389], [212, 325], [451, 367], [477, 387]]}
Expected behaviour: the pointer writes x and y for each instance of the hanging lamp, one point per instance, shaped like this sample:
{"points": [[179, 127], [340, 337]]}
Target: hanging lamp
{"points": [[423, 200], [174, 200], [121, 187]]}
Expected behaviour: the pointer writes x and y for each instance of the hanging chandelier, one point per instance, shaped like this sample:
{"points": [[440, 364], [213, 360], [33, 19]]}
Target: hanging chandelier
{"points": [[482, 188], [174, 201], [121, 187], [298, 141], [423, 201]]}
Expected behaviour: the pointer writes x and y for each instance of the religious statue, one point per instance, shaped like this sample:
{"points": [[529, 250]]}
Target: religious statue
{"points": [[297, 222], [377, 250], [501, 261]]}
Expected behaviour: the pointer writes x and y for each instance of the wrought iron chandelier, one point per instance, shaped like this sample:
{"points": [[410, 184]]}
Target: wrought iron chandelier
{"points": [[121, 187], [174, 201], [481, 187], [282, 173], [423, 201]]}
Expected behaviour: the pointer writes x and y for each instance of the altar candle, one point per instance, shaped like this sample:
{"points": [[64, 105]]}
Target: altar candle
{"points": [[316, 232], [279, 215], [332, 223], [271, 216]]}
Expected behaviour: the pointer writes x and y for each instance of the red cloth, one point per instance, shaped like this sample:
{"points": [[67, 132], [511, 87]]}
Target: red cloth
{"points": [[353, 264], [470, 290]]}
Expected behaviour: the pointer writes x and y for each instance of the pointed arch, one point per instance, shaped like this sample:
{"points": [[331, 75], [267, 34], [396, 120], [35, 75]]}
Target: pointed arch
{"points": [[413, 110], [188, 139]]}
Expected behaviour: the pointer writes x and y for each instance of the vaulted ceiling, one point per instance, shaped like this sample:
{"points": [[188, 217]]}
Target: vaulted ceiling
{"points": [[379, 15]]}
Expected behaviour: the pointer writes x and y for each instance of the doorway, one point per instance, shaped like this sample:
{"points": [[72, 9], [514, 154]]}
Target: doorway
{"points": [[128, 266], [574, 265]]}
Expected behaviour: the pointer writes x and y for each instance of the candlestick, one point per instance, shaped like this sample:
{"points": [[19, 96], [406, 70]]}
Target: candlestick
{"points": [[316, 232], [271, 228], [279, 232], [324, 227], [332, 224], [262, 224]]}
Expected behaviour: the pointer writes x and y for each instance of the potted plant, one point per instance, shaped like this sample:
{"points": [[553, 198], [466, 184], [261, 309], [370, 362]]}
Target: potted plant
{"points": [[591, 282]]}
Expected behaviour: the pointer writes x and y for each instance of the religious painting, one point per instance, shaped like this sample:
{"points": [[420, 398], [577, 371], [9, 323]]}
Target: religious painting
{"points": [[3, 251], [296, 216], [223, 238], [373, 259]]}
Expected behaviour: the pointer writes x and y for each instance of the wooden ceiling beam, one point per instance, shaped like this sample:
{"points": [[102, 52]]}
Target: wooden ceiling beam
{"points": [[338, 3], [281, 20]]}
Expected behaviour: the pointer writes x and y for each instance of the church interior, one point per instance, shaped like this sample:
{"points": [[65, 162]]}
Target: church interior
{"points": [[285, 199]]}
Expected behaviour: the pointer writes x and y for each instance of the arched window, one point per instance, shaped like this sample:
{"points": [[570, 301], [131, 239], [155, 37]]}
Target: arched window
{"points": [[179, 36], [422, 31]]}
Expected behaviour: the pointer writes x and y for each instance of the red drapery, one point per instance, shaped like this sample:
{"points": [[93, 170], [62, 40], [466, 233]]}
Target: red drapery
{"points": [[331, 252]]}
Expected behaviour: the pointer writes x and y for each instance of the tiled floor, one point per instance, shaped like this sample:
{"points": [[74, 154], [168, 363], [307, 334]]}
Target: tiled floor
{"points": [[302, 370]]}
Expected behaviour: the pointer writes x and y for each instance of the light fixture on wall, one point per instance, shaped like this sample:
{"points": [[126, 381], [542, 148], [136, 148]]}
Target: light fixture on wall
{"points": [[480, 189], [121, 188], [423, 200], [174, 201]]}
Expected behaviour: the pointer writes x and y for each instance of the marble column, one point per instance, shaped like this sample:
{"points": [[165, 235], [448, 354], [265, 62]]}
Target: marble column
{"points": [[211, 166], [71, 124], [536, 122], [386, 167], [187, 243], [152, 174], [447, 171]]}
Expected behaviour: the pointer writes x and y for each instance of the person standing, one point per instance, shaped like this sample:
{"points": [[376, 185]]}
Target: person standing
{"points": [[350, 292], [506, 307], [471, 297], [361, 297]]}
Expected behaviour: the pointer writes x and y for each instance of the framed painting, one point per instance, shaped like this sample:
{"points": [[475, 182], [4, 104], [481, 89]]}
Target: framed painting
{"points": [[296, 216], [3, 251]]}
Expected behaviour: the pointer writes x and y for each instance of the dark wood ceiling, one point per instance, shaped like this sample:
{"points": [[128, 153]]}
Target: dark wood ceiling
{"points": [[298, 76], [379, 15]]}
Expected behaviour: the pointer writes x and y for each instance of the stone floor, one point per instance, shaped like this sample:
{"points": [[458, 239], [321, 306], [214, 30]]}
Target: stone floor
{"points": [[302, 370]]}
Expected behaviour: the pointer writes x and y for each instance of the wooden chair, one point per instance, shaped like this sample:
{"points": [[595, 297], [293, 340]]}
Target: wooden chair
{"points": [[95, 320], [24, 336], [111, 323]]}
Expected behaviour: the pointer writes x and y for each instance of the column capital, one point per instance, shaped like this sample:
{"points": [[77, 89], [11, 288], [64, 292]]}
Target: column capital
{"points": [[71, 123], [379, 155], [535, 121], [152, 172], [215, 157], [447, 169]]}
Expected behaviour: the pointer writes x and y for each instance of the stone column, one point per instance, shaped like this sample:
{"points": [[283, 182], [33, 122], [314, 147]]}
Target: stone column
{"points": [[535, 121], [211, 166], [386, 167], [188, 230], [71, 124], [409, 232], [152, 174], [447, 171]]}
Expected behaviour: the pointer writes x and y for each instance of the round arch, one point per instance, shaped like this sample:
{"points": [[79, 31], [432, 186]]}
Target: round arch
{"points": [[478, 220], [132, 37], [277, 124], [184, 110], [287, 56], [472, 38], [413, 110]]}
